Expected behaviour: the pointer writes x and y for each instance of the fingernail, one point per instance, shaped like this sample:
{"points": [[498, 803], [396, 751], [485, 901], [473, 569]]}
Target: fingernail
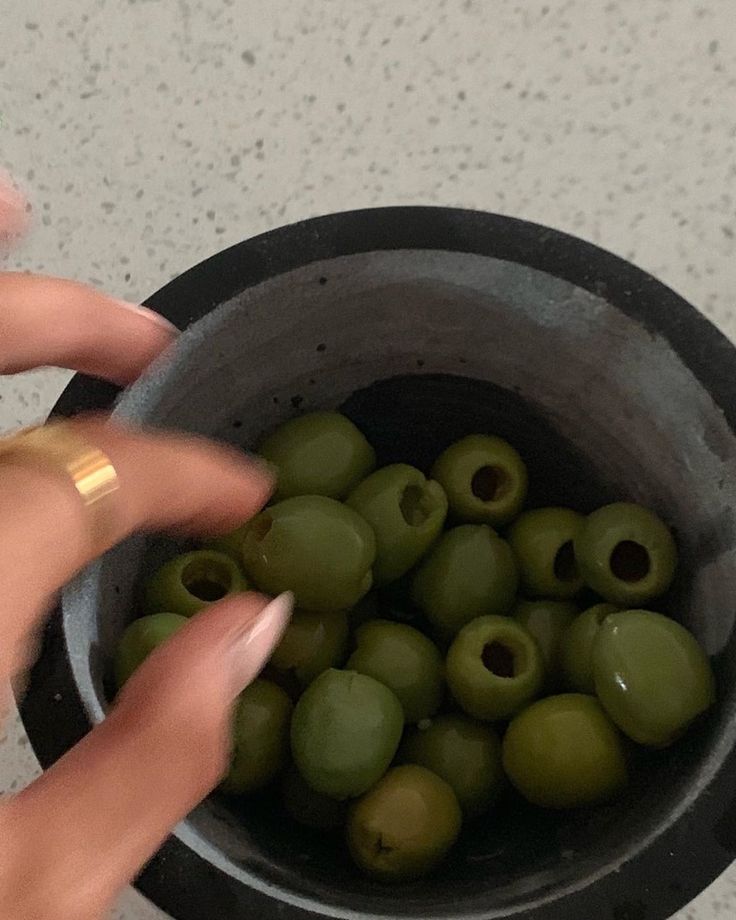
{"points": [[252, 647], [148, 314]]}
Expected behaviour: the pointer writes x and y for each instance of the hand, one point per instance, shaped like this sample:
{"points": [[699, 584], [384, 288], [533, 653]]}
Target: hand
{"points": [[77, 835]]}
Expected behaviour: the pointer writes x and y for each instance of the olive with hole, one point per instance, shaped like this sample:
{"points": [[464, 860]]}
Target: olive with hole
{"points": [[542, 541], [626, 553], [311, 643], [309, 807], [403, 659], [260, 737], [564, 752], [316, 547], [651, 675], [406, 511], [484, 478], [494, 668], [321, 453], [576, 648], [470, 572], [403, 827], [465, 753], [230, 543], [547, 622], [140, 639], [345, 732], [189, 582]]}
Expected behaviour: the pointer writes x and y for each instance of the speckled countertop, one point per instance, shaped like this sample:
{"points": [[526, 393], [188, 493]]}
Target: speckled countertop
{"points": [[152, 133]]}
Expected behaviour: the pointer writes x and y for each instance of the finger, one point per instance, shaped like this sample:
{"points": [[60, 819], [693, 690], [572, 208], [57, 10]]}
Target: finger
{"points": [[53, 321], [13, 210], [166, 481], [165, 745]]}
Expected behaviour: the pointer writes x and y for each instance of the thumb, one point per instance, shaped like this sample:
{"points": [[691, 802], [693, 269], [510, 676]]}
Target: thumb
{"points": [[165, 745]]}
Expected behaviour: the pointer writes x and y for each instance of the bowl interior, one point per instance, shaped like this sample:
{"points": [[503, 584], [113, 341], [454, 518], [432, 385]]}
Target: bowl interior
{"points": [[420, 348]]}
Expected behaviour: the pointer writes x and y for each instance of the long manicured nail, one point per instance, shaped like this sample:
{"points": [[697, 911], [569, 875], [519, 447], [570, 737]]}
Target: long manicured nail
{"points": [[252, 647], [148, 314]]}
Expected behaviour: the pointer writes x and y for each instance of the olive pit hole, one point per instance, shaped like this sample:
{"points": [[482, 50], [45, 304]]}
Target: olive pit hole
{"points": [[207, 581], [414, 506], [565, 567], [499, 659], [489, 483], [630, 561]]}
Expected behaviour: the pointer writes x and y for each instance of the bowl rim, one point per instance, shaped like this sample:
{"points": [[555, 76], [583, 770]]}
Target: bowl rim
{"points": [[698, 845]]}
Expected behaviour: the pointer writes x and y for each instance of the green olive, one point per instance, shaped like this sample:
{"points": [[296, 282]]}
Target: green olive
{"points": [[466, 754], [406, 512], [470, 572], [626, 554], [403, 659], [312, 643], [651, 675], [494, 668], [260, 737], [576, 648], [564, 752], [308, 807], [140, 639], [542, 541], [314, 546], [321, 453], [547, 622], [484, 478], [230, 543], [189, 582], [345, 731], [404, 826]]}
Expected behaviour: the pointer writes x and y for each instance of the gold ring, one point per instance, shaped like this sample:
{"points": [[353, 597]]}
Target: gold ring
{"points": [[58, 446]]}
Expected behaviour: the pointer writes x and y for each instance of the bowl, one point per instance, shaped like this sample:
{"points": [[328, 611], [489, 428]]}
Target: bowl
{"points": [[426, 324]]}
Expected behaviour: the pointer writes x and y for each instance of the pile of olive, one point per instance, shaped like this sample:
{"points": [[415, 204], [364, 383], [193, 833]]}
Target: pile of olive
{"points": [[394, 733]]}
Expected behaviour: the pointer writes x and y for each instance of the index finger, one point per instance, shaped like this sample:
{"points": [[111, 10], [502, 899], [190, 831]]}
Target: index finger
{"points": [[167, 482]]}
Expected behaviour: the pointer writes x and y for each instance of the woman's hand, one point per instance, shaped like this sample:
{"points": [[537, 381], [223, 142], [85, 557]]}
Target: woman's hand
{"points": [[79, 833]]}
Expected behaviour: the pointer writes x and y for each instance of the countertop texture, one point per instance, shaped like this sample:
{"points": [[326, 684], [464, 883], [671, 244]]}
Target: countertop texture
{"points": [[151, 133]]}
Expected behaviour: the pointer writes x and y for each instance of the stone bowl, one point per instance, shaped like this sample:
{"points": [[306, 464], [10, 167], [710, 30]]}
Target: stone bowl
{"points": [[426, 324]]}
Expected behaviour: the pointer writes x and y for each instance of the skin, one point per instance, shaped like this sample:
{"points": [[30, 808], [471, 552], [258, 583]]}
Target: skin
{"points": [[406, 512], [320, 453], [651, 675], [403, 827], [114, 796], [564, 752], [403, 659]]}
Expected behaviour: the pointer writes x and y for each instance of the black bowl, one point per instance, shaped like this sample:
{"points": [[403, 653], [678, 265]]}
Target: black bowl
{"points": [[426, 324]]}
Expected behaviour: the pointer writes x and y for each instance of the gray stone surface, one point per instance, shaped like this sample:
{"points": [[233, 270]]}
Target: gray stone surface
{"points": [[150, 135]]}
